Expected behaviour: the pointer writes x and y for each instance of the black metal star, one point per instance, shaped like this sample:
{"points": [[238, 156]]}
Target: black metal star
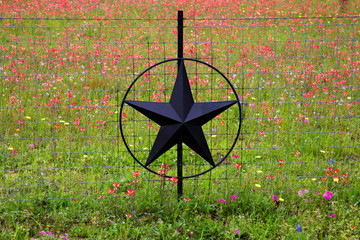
{"points": [[180, 119]]}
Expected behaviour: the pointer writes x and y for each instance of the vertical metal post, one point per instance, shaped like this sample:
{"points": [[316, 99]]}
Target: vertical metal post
{"points": [[179, 170], [179, 145], [180, 35]]}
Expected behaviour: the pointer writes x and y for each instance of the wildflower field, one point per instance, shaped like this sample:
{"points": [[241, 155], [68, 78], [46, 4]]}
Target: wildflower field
{"points": [[65, 67]]}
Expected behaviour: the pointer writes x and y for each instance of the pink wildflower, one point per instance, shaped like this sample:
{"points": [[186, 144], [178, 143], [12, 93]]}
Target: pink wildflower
{"points": [[328, 195], [275, 198]]}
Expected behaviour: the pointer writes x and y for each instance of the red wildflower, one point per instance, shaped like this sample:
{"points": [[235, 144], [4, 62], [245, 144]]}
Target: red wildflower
{"points": [[281, 162], [165, 166], [173, 180], [130, 192], [161, 172]]}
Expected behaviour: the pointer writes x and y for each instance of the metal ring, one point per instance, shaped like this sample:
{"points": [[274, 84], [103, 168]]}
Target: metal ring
{"points": [[171, 60]]}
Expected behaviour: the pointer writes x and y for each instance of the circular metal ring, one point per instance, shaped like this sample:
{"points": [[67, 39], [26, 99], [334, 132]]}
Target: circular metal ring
{"points": [[171, 60]]}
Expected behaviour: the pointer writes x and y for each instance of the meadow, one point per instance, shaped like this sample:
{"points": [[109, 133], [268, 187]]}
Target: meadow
{"points": [[65, 172]]}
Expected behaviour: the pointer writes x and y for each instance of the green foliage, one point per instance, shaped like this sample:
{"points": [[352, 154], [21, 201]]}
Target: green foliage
{"points": [[62, 83]]}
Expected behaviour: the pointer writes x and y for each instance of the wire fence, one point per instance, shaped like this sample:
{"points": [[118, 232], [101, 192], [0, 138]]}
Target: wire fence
{"points": [[62, 83]]}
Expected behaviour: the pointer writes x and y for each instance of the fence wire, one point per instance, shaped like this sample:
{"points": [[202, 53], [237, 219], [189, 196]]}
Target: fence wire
{"points": [[62, 83]]}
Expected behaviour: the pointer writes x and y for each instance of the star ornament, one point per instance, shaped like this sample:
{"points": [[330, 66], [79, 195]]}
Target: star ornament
{"points": [[181, 119]]}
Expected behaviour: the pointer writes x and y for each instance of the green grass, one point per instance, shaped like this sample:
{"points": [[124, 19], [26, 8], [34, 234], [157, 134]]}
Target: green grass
{"points": [[60, 155]]}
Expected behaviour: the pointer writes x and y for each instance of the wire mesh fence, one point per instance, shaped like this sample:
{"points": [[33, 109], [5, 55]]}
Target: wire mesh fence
{"points": [[62, 86]]}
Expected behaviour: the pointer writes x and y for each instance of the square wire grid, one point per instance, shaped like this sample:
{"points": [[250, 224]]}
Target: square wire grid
{"points": [[62, 82]]}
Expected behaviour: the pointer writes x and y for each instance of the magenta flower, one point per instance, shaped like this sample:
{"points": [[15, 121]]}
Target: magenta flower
{"points": [[222, 200], [328, 195], [332, 216], [233, 197], [300, 193], [275, 198], [237, 231], [42, 233]]}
